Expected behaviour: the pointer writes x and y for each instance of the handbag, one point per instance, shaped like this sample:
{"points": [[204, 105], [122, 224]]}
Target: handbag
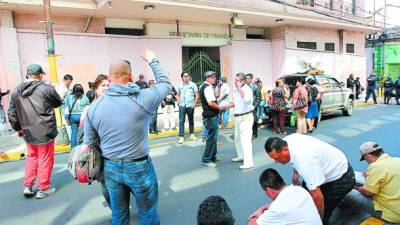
{"points": [[62, 137], [299, 104]]}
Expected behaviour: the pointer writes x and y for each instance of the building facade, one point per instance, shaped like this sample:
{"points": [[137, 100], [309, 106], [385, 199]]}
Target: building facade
{"points": [[266, 38]]}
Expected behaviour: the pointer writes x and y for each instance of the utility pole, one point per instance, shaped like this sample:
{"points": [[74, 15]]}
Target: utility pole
{"points": [[374, 12], [383, 49], [51, 52]]}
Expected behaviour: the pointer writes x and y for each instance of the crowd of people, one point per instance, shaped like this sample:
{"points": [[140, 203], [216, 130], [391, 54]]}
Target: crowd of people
{"points": [[391, 89], [327, 175]]}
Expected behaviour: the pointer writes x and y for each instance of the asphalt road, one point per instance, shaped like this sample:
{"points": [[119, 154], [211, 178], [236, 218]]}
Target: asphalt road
{"points": [[184, 183]]}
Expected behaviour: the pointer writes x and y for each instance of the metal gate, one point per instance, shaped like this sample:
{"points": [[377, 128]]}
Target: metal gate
{"points": [[198, 64]]}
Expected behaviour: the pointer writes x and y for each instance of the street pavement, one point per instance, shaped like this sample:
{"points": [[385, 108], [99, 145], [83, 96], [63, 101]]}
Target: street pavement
{"points": [[184, 183]]}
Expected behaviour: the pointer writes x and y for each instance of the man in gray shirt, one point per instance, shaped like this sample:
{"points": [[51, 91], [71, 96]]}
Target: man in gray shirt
{"points": [[119, 120]]}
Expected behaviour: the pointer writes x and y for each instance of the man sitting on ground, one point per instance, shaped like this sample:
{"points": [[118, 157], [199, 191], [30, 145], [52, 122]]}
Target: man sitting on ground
{"points": [[214, 211], [291, 205], [381, 184]]}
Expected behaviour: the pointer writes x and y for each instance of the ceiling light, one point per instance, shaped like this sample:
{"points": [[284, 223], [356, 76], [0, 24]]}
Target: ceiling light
{"points": [[278, 20]]}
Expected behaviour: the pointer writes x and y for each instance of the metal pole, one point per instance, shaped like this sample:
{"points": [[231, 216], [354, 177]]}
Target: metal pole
{"points": [[51, 52], [383, 50], [374, 12]]}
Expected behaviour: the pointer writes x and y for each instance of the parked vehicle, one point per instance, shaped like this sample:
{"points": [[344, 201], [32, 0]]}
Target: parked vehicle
{"points": [[335, 95]]}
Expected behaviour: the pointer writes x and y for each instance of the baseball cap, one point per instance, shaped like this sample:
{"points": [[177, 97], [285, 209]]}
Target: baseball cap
{"points": [[34, 69], [368, 147], [209, 74]]}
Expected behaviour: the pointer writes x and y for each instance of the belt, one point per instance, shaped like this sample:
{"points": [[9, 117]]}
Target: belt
{"points": [[242, 114], [128, 160]]}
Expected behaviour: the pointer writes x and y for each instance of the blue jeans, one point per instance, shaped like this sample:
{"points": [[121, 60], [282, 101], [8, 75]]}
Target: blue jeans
{"points": [[182, 116], [260, 109], [211, 125], [153, 123], [141, 179], [75, 118], [225, 117], [369, 92]]}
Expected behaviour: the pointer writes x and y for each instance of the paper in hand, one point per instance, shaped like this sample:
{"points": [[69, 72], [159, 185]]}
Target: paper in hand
{"points": [[360, 178]]}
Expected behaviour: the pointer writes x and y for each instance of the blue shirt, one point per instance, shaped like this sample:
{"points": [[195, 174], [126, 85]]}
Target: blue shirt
{"points": [[120, 119], [187, 93]]}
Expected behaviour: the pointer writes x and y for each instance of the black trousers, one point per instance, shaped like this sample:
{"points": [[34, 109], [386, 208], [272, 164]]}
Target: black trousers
{"points": [[387, 95], [335, 191], [255, 124]]}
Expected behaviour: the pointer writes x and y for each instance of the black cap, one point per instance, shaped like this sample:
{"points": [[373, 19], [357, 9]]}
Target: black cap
{"points": [[34, 69]]}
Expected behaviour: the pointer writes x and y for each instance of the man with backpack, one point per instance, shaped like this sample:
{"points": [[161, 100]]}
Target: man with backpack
{"points": [[31, 114], [371, 86], [388, 88], [120, 121]]}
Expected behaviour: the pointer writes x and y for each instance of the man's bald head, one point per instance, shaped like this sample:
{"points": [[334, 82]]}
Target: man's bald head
{"points": [[120, 71]]}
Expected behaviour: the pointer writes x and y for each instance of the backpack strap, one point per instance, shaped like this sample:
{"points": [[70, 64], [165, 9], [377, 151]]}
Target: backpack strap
{"points": [[70, 109]]}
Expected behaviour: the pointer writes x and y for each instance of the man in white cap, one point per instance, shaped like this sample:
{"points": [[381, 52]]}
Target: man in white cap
{"points": [[381, 184]]}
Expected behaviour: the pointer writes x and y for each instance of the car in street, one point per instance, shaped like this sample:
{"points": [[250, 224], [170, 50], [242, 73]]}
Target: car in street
{"points": [[335, 95]]}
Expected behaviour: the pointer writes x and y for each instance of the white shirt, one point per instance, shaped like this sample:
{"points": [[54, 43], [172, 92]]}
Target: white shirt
{"points": [[316, 161], [293, 206], [225, 90], [209, 93], [62, 91], [243, 104]]}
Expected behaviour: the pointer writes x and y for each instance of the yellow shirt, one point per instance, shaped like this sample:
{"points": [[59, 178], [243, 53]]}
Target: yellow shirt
{"points": [[383, 180]]}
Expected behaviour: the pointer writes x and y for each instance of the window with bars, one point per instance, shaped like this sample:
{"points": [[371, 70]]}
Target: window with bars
{"points": [[350, 48], [330, 47], [307, 45]]}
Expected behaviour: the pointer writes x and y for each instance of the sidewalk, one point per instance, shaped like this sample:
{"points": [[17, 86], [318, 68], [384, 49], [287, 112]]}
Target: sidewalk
{"points": [[15, 147]]}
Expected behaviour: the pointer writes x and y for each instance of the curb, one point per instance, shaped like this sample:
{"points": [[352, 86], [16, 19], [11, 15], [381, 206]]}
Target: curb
{"points": [[21, 154]]}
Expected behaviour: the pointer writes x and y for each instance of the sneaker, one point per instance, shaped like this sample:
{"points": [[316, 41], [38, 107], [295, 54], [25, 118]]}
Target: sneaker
{"points": [[43, 194], [237, 159], [181, 140], [192, 137], [217, 158], [243, 167], [28, 192], [209, 164]]}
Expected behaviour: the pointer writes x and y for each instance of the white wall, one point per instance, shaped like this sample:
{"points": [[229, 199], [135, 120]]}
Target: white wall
{"points": [[253, 56]]}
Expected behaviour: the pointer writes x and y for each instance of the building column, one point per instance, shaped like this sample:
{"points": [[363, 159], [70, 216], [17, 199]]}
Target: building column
{"points": [[10, 67]]}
